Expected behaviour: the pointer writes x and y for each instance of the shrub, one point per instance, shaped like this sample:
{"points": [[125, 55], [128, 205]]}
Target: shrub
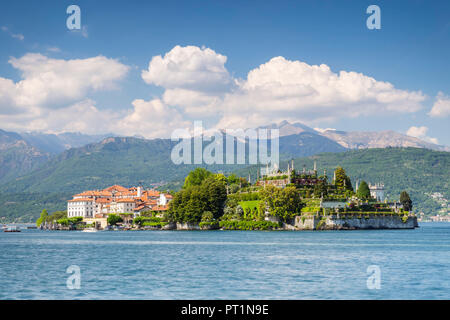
{"points": [[207, 216], [249, 225]]}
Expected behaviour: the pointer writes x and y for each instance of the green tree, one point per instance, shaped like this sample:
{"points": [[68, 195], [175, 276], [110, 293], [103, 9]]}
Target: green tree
{"points": [[342, 180], [233, 179], [363, 191], [320, 189], [194, 207], [138, 220], [215, 194], [42, 218], [221, 178], [114, 219], [282, 203], [196, 177], [207, 216], [406, 201]]}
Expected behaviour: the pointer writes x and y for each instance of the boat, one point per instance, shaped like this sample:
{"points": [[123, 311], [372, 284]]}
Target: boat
{"points": [[90, 230], [12, 229]]}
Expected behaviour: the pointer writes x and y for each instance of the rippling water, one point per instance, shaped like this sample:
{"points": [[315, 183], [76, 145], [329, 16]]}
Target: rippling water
{"points": [[414, 264]]}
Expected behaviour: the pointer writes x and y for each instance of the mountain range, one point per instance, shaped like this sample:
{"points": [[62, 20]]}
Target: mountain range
{"points": [[359, 139], [21, 153], [44, 170]]}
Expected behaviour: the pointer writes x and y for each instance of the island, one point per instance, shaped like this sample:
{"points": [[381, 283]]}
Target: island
{"points": [[276, 200]]}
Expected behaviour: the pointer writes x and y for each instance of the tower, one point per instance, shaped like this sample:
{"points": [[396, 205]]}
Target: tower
{"points": [[315, 165]]}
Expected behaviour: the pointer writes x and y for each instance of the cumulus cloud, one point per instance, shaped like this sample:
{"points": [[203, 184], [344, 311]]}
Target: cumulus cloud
{"points": [[190, 68], [421, 133], [53, 97], [82, 116], [441, 107], [53, 83], [196, 80], [283, 89], [152, 119], [197, 86]]}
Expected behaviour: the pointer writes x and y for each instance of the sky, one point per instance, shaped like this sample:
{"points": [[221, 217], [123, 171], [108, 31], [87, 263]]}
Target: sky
{"points": [[148, 68]]}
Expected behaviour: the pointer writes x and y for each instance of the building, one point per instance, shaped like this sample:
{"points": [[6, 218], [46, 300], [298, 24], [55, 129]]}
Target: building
{"points": [[274, 176], [377, 191], [116, 199]]}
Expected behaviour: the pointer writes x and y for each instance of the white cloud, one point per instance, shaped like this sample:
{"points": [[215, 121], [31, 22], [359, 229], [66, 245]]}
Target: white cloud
{"points": [[281, 89], [190, 68], [55, 83], [82, 116], [441, 107], [152, 119], [197, 82], [321, 130], [13, 35], [18, 36], [421, 133], [196, 86], [54, 49]]}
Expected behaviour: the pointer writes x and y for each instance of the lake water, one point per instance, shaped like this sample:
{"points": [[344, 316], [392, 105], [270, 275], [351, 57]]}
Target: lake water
{"points": [[413, 264]]}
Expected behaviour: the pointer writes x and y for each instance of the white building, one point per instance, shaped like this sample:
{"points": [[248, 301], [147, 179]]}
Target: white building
{"points": [[377, 191], [123, 206], [80, 207]]}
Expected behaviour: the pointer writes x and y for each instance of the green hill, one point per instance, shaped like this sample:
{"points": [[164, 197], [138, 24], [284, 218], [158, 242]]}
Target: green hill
{"points": [[130, 161]]}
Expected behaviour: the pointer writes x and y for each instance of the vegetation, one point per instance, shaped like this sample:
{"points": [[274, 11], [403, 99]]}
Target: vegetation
{"points": [[418, 171], [114, 219], [342, 180], [42, 218], [54, 217], [208, 193], [405, 200], [282, 203], [69, 221], [363, 191], [249, 225], [196, 177]]}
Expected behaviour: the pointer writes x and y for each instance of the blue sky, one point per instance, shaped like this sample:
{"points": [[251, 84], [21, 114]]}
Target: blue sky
{"points": [[411, 51]]}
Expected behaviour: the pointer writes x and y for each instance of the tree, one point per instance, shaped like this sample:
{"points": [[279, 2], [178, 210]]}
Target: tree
{"points": [[207, 216], [42, 218], [320, 189], [196, 177], [342, 180], [363, 191], [406, 201], [232, 179], [214, 193], [282, 203], [221, 178], [114, 219]]}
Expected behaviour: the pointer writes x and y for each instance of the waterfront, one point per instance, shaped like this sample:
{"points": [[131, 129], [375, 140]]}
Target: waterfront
{"points": [[227, 264]]}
